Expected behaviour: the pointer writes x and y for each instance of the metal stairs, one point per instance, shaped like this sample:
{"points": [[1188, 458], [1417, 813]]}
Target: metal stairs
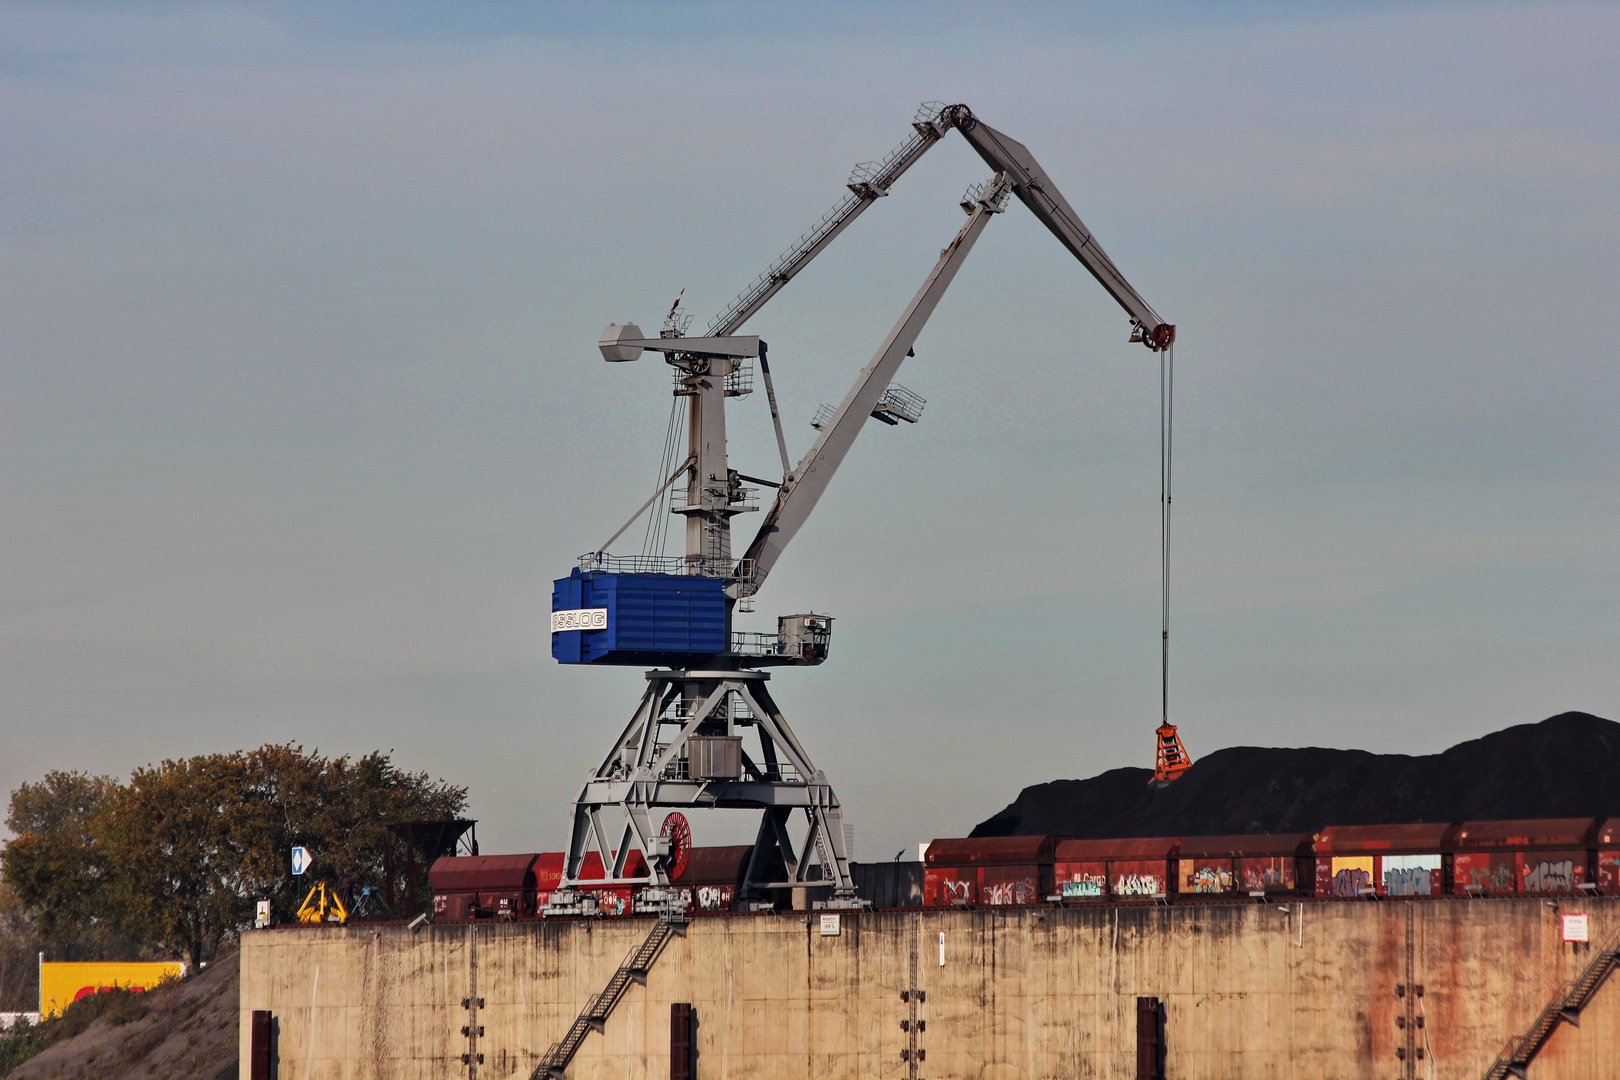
{"points": [[1566, 1005], [600, 1006]]}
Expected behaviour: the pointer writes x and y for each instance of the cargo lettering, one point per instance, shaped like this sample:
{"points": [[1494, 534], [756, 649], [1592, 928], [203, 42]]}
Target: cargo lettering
{"points": [[1411, 875], [1407, 882], [1607, 863], [1258, 879], [579, 619], [612, 901], [714, 897], [1492, 878]]}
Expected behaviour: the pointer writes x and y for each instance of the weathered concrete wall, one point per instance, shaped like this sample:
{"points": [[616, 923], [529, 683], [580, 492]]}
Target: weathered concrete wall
{"points": [[1251, 990]]}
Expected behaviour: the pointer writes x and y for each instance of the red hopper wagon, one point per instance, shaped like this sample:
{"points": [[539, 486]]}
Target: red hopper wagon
{"points": [[999, 871]]}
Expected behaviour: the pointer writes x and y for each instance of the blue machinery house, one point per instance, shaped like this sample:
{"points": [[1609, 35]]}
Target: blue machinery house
{"points": [[639, 618]]}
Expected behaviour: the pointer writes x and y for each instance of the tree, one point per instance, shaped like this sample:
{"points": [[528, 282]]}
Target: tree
{"points": [[338, 808], [173, 859], [55, 865], [178, 855]]}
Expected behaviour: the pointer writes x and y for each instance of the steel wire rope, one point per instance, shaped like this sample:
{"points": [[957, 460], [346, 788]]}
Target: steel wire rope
{"points": [[1167, 382], [658, 514]]}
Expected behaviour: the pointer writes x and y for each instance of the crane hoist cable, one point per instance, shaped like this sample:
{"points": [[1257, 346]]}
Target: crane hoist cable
{"points": [[656, 538], [1170, 758], [1167, 390]]}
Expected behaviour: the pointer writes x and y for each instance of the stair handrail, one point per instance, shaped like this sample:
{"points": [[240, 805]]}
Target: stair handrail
{"points": [[1522, 1049], [599, 1006]]}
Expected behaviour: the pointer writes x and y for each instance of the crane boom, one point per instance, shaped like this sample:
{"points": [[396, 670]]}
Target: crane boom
{"points": [[1017, 171], [871, 181], [1036, 191], [798, 495]]}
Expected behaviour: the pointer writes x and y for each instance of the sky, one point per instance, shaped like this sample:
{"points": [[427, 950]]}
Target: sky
{"points": [[301, 410]]}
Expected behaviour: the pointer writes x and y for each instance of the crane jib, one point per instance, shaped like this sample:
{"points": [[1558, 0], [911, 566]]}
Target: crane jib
{"points": [[1030, 183]]}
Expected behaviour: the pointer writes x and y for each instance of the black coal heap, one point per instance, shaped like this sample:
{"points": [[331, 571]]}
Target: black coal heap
{"points": [[1564, 767]]}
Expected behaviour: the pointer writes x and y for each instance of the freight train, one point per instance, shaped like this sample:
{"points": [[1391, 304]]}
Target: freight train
{"points": [[519, 886], [1471, 858], [1561, 856]]}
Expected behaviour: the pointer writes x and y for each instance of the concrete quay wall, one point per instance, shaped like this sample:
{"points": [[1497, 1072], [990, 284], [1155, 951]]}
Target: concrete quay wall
{"points": [[1257, 991]]}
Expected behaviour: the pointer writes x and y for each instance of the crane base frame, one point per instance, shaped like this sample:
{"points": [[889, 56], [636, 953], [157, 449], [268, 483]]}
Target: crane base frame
{"points": [[656, 764]]}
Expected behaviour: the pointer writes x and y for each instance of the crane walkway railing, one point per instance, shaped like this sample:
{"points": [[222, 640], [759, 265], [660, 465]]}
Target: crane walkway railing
{"points": [[869, 181], [699, 565], [600, 1006], [1566, 1005]]}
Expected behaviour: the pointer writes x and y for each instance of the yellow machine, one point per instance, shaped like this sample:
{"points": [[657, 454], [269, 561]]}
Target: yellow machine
{"points": [[323, 905]]}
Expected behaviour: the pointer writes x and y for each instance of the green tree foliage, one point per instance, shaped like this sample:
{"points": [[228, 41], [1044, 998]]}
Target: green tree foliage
{"points": [[169, 841], [178, 856], [338, 808], [56, 866]]}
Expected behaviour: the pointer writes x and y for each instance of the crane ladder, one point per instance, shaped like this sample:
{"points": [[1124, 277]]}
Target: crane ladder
{"points": [[1565, 1005], [600, 1006]]}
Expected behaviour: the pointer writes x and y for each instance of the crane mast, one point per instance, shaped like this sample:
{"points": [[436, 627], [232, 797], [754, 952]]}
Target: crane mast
{"points": [[683, 746]]}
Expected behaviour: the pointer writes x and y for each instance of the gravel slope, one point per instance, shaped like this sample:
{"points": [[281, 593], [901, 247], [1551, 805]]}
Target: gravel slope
{"points": [[189, 1031]]}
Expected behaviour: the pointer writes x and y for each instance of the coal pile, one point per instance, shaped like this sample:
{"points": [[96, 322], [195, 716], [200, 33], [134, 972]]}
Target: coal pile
{"points": [[1564, 767]]}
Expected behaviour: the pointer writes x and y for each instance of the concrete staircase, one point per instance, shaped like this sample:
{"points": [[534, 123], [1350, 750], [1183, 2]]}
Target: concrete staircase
{"points": [[1566, 1005], [600, 1007]]}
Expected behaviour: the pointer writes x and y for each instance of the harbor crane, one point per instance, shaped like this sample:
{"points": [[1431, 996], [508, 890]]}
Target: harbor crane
{"points": [[683, 746]]}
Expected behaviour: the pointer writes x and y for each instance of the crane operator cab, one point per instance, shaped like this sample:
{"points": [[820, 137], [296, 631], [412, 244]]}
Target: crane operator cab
{"points": [[804, 637]]}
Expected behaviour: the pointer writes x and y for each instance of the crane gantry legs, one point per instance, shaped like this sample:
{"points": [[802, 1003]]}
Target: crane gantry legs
{"points": [[683, 749]]}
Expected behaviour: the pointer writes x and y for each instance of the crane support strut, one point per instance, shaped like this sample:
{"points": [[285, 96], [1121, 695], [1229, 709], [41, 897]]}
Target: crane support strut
{"points": [[799, 495]]}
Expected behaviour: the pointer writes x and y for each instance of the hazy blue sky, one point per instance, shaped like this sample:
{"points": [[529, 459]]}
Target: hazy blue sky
{"points": [[302, 409]]}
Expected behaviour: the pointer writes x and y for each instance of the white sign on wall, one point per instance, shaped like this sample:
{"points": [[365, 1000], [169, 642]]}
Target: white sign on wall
{"points": [[829, 926], [594, 618], [261, 917], [1576, 928]]}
